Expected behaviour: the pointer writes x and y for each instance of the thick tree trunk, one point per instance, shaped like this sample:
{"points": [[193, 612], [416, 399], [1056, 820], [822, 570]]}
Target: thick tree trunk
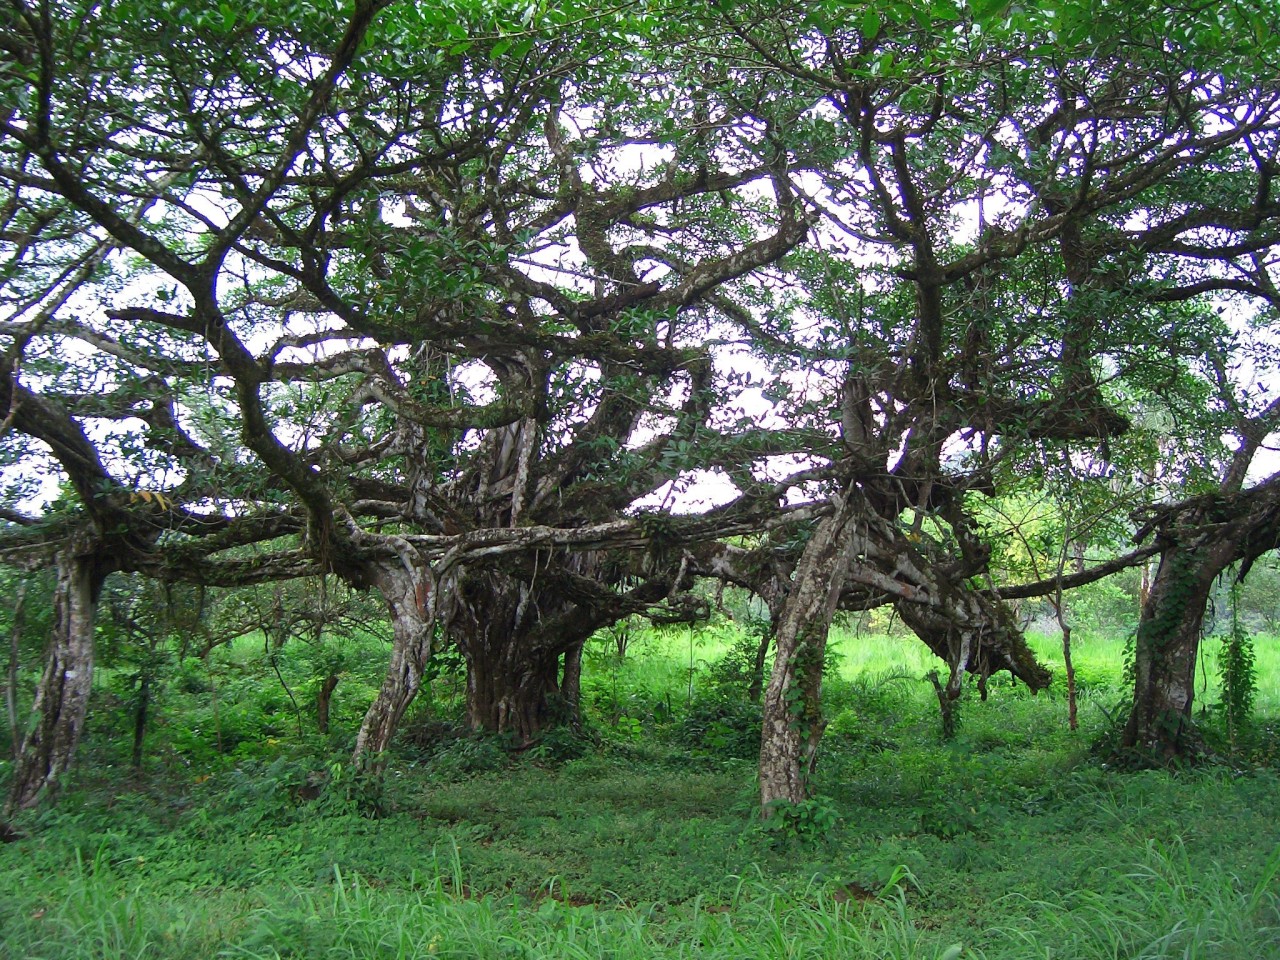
{"points": [[509, 688], [412, 612], [793, 723], [62, 698], [514, 636], [1201, 539], [1164, 662]]}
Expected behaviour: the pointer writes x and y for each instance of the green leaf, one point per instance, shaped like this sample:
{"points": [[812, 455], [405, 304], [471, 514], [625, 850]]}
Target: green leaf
{"points": [[985, 11]]}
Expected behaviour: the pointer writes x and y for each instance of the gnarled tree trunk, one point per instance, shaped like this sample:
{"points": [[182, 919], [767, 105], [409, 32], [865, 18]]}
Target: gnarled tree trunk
{"points": [[411, 607], [793, 723], [1200, 539], [1165, 649], [514, 664], [521, 635], [62, 699]]}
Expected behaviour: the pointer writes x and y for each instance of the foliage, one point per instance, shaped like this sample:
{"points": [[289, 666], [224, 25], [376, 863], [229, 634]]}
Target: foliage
{"points": [[1239, 678], [809, 821], [1010, 840]]}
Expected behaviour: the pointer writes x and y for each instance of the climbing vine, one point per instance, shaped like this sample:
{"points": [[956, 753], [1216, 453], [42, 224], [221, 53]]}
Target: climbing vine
{"points": [[1239, 678]]}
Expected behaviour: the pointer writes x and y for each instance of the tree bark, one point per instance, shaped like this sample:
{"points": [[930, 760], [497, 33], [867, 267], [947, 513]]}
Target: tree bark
{"points": [[756, 687], [11, 682], [509, 688], [571, 686], [140, 718], [62, 699], [1200, 539], [411, 608], [793, 723], [514, 631], [1159, 725], [323, 700]]}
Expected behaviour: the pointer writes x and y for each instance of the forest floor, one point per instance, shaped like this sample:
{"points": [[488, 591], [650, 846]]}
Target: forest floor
{"points": [[1013, 840]]}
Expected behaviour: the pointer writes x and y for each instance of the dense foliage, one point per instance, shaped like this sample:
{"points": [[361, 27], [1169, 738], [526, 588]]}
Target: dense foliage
{"points": [[536, 322]]}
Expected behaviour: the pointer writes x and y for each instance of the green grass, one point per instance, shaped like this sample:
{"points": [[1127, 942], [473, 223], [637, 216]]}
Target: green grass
{"points": [[1011, 841]]}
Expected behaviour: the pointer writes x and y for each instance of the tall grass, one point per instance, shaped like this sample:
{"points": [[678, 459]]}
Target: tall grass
{"points": [[96, 916], [1161, 909]]}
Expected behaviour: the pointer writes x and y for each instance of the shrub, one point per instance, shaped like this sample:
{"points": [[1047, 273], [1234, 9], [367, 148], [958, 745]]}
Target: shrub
{"points": [[721, 726]]}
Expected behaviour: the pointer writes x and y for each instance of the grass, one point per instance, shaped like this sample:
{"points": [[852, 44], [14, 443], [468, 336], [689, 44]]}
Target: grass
{"points": [[1011, 841]]}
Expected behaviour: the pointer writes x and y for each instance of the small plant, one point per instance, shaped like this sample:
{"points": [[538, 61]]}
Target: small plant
{"points": [[808, 821], [1239, 684], [346, 790], [721, 726], [559, 744], [464, 757]]}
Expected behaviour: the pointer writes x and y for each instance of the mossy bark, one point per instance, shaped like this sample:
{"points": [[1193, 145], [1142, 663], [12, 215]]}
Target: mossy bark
{"points": [[1159, 726]]}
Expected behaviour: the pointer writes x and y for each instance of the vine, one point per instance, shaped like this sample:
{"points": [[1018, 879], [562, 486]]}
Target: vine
{"points": [[1239, 677]]}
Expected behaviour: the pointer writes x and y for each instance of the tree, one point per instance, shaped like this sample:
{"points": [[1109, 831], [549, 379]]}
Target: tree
{"points": [[1009, 229], [1198, 539], [431, 300], [414, 297]]}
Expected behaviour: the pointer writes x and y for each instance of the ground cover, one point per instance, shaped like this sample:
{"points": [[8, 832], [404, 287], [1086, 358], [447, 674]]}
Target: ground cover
{"points": [[1012, 840]]}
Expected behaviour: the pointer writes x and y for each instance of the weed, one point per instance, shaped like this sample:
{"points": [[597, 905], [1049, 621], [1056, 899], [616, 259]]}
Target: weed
{"points": [[808, 821]]}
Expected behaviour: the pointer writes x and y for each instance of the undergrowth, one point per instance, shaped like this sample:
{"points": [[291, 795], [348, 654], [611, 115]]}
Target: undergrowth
{"points": [[638, 836]]}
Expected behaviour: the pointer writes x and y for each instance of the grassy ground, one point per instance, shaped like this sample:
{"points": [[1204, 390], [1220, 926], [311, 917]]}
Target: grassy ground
{"points": [[1012, 841]]}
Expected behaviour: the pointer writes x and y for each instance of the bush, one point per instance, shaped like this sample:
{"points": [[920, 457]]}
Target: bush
{"points": [[721, 726], [463, 757]]}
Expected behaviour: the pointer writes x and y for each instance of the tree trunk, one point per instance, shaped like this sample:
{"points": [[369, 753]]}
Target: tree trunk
{"points": [[412, 612], [323, 699], [1201, 539], [571, 686], [140, 718], [513, 635], [1164, 662], [793, 724], [756, 687], [11, 682], [62, 698], [509, 687]]}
